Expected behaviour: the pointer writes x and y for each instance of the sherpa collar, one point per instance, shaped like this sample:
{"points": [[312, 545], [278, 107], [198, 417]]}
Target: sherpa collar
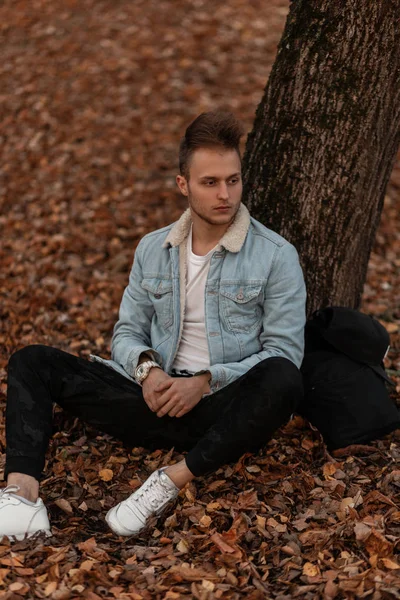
{"points": [[232, 240]]}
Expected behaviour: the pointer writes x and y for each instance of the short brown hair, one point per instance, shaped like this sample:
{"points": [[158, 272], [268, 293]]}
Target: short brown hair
{"points": [[208, 130]]}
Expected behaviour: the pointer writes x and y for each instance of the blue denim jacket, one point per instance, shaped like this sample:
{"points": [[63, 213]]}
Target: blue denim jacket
{"points": [[254, 301]]}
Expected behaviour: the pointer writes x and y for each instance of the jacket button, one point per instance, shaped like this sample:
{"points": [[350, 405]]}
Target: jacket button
{"points": [[239, 296], [158, 296]]}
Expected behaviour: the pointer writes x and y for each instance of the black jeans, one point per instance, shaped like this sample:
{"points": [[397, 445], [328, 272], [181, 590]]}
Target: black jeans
{"points": [[240, 417]]}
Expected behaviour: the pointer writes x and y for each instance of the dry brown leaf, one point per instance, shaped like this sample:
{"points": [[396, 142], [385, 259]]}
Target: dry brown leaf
{"points": [[388, 563], [247, 499], [182, 546], [24, 571], [106, 474], [16, 587], [329, 469], [377, 544], [215, 485], [253, 469], [307, 444], [211, 506], [50, 588], [310, 569], [205, 521], [86, 565], [64, 505], [89, 545], [193, 573], [208, 585], [11, 561], [331, 590], [391, 327], [362, 531]]}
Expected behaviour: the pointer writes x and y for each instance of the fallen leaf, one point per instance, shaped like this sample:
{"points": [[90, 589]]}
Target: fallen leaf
{"points": [[50, 588], [16, 587], [215, 485], [208, 585], [253, 469], [377, 544], [64, 505], [193, 573], [389, 563], [182, 546], [329, 469], [205, 521], [310, 569], [106, 474], [362, 531]]}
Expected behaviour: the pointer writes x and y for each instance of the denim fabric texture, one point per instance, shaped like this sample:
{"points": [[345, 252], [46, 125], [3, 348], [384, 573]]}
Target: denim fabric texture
{"points": [[254, 301]]}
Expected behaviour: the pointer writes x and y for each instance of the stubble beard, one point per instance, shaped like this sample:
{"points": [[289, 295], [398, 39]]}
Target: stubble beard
{"points": [[206, 219]]}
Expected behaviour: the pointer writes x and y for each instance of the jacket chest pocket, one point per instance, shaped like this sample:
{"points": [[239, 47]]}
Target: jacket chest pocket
{"points": [[241, 306], [160, 294]]}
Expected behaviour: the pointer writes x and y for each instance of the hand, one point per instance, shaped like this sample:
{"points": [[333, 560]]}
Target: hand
{"points": [[153, 380], [180, 394]]}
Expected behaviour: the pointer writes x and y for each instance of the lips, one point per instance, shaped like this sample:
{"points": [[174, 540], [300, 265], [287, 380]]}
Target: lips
{"points": [[222, 208]]}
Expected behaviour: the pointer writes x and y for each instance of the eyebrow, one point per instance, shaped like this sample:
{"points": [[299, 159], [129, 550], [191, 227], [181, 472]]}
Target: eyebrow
{"points": [[213, 176]]}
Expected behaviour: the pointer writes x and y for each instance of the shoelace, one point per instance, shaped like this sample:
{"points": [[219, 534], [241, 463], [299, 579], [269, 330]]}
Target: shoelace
{"points": [[158, 491], [5, 492]]}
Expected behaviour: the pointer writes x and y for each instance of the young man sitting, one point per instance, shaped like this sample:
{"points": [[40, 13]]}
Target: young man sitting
{"points": [[205, 353]]}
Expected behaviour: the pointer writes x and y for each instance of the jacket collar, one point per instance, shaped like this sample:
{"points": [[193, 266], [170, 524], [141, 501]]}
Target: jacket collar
{"points": [[232, 240]]}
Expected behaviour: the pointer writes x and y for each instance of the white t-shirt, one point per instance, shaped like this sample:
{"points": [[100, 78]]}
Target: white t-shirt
{"points": [[193, 354]]}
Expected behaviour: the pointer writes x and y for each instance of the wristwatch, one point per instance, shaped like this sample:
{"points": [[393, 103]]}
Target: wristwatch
{"points": [[142, 371]]}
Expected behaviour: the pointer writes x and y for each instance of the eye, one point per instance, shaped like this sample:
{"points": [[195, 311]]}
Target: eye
{"points": [[235, 180]]}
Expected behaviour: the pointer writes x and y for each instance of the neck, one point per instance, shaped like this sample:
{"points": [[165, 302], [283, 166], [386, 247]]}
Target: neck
{"points": [[205, 236]]}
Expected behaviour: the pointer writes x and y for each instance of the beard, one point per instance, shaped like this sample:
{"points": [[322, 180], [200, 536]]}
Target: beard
{"points": [[196, 208]]}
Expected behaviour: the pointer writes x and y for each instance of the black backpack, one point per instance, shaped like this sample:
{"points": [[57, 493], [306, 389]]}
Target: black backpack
{"points": [[346, 397]]}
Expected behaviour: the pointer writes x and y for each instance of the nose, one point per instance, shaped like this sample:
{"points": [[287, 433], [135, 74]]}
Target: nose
{"points": [[223, 193]]}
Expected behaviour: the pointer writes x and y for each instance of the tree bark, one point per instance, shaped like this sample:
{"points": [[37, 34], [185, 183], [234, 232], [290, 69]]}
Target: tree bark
{"points": [[325, 137]]}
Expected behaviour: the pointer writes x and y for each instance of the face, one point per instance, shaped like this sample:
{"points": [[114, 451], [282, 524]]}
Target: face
{"points": [[214, 189]]}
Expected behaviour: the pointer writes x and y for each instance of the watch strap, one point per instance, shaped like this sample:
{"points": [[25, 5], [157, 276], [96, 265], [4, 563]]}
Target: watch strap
{"points": [[142, 370]]}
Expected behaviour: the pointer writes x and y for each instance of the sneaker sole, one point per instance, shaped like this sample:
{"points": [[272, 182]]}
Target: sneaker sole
{"points": [[19, 537], [146, 527]]}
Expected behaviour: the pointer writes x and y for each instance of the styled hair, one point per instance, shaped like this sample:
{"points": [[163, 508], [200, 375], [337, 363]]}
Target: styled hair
{"points": [[209, 130]]}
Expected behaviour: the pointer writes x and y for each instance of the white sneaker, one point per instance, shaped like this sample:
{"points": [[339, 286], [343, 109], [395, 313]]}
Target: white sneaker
{"points": [[20, 517], [129, 517]]}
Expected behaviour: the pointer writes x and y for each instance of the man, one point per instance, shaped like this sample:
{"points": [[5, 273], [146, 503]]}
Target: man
{"points": [[205, 353]]}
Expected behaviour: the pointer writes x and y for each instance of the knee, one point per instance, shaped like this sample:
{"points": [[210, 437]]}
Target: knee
{"points": [[287, 372], [283, 380], [34, 353]]}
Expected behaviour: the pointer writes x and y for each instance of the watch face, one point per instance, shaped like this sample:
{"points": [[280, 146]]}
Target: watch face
{"points": [[140, 371], [143, 370]]}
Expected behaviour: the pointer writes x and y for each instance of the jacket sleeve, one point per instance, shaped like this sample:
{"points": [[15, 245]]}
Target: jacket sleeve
{"points": [[283, 321], [131, 334]]}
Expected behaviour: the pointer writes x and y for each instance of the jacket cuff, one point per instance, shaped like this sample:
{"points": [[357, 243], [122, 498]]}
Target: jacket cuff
{"points": [[133, 358], [218, 378]]}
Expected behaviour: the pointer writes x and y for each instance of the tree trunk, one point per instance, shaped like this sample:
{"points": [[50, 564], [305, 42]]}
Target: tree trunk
{"points": [[324, 140]]}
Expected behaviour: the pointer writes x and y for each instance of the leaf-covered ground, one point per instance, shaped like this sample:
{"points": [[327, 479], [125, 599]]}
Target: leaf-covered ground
{"points": [[94, 97]]}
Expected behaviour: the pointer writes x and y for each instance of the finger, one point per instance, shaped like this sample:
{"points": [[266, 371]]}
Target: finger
{"points": [[182, 413], [164, 385], [150, 404], [175, 409], [167, 407], [159, 401]]}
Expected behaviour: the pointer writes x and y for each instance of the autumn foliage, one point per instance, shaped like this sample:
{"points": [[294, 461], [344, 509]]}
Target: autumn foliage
{"points": [[94, 98]]}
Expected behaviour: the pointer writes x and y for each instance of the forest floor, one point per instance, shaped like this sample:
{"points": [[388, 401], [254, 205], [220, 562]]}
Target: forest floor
{"points": [[94, 98]]}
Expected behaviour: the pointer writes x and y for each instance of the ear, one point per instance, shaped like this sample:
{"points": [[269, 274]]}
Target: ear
{"points": [[182, 184]]}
